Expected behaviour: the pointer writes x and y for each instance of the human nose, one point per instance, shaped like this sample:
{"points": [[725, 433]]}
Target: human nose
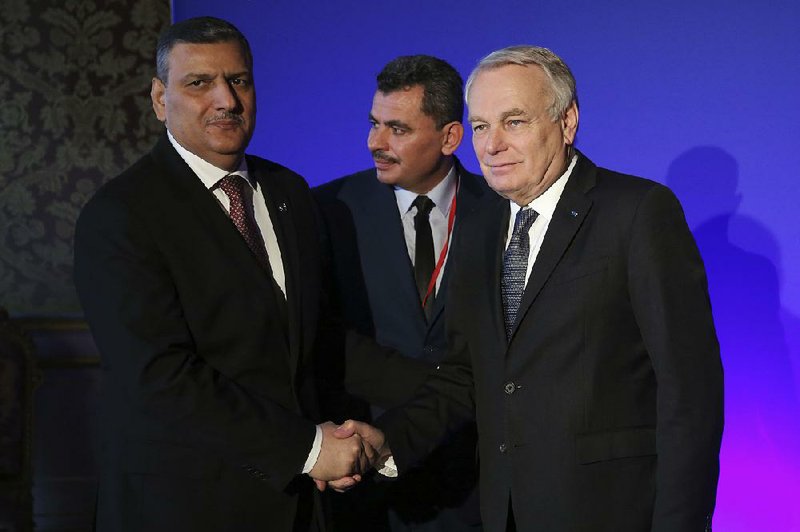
{"points": [[225, 97], [495, 141], [376, 140]]}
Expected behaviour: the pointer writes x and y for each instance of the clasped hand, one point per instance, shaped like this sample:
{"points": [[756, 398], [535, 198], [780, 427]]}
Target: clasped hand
{"points": [[348, 452]]}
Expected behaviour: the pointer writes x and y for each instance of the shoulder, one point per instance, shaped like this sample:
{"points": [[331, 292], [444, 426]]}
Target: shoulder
{"points": [[619, 187], [350, 186], [125, 190], [634, 190], [276, 172]]}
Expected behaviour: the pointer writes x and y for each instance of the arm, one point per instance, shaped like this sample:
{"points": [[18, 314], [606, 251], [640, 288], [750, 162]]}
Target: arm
{"points": [[159, 379], [349, 358], [669, 293]]}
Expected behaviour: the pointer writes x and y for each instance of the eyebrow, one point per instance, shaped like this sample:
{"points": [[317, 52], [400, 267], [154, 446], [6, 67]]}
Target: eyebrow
{"points": [[193, 75], [513, 112], [207, 75], [516, 111], [391, 123]]}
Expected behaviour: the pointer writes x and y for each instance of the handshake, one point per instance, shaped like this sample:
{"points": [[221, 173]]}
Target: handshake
{"points": [[347, 453]]}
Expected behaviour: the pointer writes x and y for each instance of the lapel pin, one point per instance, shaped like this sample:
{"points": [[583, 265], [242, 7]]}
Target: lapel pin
{"points": [[574, 214], [282, 207]]}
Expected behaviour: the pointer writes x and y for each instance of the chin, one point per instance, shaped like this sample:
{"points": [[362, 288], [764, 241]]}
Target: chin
{"points": [[386, 177]]}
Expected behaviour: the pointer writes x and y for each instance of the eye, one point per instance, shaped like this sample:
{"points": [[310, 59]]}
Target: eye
{"points": [[477, 128], [196, 82], [398, 131], [514, 122], [241, 82]]}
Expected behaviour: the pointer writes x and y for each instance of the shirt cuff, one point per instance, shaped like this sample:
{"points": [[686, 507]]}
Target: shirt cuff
{"points": [[316, 447], [389, 468]]}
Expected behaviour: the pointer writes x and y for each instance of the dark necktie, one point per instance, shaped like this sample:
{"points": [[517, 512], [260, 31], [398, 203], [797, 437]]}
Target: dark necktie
{"points": [[233, 187], [241, 215], [423, 254], [515, 266]]}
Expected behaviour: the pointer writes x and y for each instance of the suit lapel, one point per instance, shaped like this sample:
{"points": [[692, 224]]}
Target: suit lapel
{"points": [[192, 195], [281, 215], [385, 242], [568, 217], [467, 201], [483, 236]]}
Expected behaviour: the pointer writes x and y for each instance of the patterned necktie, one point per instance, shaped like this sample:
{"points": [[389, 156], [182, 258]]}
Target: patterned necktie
{"points": [[515, 266], [242, 217], [423, 253], [233, 186]]}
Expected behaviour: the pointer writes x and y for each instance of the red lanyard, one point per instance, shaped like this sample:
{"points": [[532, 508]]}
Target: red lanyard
{"points": [[443, 254]]}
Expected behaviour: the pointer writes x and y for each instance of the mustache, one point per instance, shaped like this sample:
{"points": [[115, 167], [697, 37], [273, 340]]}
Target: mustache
{"points": [[225, 116], [379, 155]]}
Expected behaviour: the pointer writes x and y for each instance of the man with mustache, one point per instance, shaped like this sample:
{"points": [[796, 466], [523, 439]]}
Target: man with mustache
{"points": [[580, 330], [199, 272], [391, 230]]}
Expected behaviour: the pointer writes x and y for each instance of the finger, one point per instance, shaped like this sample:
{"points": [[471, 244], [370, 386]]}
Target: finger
{"points": [[346, 429], [344, 484], [370, 453], [321, 484]]}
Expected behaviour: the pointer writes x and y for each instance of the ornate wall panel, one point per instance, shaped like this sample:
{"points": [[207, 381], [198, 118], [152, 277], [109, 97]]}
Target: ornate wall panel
{"points": [[74, 82]]}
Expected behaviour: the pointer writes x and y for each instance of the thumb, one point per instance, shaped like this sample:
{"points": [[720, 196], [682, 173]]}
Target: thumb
{"points": [[321, 484], [345, 430]]}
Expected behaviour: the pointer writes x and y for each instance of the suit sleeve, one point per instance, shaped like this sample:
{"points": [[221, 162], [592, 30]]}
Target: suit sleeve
{"points": [[153, 368], [445, 402], [669, 293], [350, 360]]}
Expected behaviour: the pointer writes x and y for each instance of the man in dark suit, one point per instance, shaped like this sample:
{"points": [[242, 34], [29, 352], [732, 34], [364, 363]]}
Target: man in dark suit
{"points": [[390, 254], [199, 274], [579, 327]]}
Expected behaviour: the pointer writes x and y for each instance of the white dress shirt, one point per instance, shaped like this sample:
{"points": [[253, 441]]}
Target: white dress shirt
{"points": [[210, 175], [442, 197], [545, 204]]}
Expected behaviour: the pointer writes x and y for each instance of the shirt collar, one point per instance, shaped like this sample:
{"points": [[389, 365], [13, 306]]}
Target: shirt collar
{"points": [[441, 195], [545, 204], [207, 172]]}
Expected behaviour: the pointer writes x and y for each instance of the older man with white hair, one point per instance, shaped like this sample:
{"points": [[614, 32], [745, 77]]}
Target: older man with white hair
{"points": [[581, 334]]}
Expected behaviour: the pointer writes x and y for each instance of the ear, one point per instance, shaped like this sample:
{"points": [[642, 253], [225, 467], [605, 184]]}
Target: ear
{"points": [[157, 95], [453, 133], [569, 123]]}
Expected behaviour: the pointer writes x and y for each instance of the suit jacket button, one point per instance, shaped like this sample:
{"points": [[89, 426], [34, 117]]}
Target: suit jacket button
{"points": [[502, 447], [509, 388]]}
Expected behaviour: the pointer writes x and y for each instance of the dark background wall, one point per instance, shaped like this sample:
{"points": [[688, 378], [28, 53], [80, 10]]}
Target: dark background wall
{"points": [[74, 86], [700, 95], [74, 81]]}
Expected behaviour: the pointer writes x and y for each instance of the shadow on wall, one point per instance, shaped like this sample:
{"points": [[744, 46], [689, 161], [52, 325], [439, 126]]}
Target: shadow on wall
{"points": [[760, 459]]}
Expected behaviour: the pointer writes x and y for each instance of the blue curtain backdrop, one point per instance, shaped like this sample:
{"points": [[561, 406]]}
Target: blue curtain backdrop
{"points": [[701, 96]]}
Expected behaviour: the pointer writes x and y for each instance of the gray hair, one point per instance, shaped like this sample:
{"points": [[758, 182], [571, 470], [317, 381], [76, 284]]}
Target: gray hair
{"points": [[198, 30], [562, 82]]}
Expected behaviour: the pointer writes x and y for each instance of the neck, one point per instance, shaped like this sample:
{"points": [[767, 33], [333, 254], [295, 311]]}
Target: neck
{"points": [[229, 163]]}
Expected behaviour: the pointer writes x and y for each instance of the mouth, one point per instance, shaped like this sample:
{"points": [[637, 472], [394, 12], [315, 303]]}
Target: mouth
{"points": [[501, 168], [226, 124], [226, 121], [384, 162]]}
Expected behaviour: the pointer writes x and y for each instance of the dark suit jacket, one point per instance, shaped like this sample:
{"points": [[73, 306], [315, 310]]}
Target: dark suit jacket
{"points": [[604, 410], [375, 281], [207, 410]]}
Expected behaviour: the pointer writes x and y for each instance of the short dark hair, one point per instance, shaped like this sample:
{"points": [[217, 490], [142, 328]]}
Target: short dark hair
{"points": [[198, 30], [443, 96]]}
